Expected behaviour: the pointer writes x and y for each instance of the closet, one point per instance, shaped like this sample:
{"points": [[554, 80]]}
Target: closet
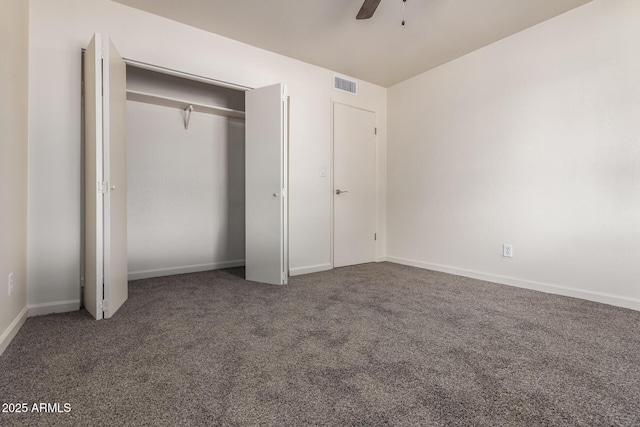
{"points": [[182, 173], [185, 175]]}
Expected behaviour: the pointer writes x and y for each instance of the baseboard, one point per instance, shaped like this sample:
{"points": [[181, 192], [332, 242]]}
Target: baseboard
{"points": [[13, 329], [147, 274], [309, 269], [601, 297], [53, 307]]}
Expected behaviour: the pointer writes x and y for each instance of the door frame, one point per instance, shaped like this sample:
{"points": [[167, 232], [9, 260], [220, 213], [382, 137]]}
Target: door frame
{"points": [[332, 168]]}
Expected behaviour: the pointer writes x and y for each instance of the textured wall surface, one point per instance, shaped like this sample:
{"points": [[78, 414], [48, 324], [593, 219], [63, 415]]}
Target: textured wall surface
{"points": [[61, 28], [531, 141], [14, 78]]}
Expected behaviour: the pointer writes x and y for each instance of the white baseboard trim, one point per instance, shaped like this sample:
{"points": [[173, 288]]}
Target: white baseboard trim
{"points": [[310, 269], [601, 297], [9, 333], [53, 307], [147, 274]]}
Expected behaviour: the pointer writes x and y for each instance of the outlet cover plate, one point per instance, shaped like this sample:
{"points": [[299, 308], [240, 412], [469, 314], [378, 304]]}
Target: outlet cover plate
{"points": [[507, 250]]}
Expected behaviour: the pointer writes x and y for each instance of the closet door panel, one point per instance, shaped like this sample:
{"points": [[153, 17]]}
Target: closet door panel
{"points": [[105, 287], [115, 148], [265, 193], [93, 279]]}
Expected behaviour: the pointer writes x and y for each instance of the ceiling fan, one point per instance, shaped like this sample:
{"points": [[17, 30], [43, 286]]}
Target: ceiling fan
{"points": [[369, 8]]}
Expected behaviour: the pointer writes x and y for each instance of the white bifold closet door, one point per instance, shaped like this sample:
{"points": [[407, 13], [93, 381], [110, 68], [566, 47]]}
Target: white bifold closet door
{"points": [[266, 128], [266, 143], [105, 286]]}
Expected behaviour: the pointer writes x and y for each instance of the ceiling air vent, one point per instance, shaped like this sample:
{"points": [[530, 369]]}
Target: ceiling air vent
{"points": [[344, 85]]}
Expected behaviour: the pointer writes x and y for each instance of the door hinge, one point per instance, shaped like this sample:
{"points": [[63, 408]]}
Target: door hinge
{"points": [[105, 305], [375, 236], [102, 187], [283, 277], [375, 131]]}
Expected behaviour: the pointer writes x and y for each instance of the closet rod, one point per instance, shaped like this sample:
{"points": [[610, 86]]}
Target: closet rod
{"points": [[183, 104], [184, 75]]}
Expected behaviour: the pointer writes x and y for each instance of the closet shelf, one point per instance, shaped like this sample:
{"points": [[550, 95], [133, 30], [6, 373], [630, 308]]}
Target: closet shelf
{"points": [[181, 104]]}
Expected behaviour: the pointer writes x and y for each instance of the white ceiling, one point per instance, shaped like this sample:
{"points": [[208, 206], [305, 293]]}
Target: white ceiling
{"points": [[379, 50]]}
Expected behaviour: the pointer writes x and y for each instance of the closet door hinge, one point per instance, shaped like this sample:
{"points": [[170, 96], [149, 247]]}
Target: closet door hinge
{"points": [[375, 236], [105, 305], [283, 277], [375, 131], [102, 187]]}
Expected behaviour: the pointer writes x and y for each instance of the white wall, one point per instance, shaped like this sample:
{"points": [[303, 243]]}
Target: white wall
{"points": [[60, 28], [14, 67], [185, 187], [534, 141]]}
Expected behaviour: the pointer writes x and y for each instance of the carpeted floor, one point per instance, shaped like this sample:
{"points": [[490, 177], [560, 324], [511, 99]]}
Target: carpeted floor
{"points": [[375, 344]]}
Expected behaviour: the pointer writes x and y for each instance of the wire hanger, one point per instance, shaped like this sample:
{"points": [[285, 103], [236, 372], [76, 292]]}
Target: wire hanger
{"points": [[187, 115]]}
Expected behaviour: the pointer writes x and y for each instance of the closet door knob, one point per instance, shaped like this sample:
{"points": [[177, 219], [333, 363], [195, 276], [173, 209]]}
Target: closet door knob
{"points": [[113, 187], [341, 191], [276, 194]]}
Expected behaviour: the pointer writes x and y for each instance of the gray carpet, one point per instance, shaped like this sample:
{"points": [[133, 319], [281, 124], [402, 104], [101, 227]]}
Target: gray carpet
{"points": [[376, 344]]}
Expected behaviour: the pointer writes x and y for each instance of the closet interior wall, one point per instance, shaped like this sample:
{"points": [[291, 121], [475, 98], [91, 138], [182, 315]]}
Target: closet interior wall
{"points": [[185, 186]]}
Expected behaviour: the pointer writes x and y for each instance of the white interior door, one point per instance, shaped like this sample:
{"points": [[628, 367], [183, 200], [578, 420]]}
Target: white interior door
{"points": [[106, 287], [266, 144], [354, 179]]}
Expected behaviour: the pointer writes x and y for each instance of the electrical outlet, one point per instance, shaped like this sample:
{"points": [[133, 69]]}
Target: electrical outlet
{"points": [[507, 250], [10, 283]]}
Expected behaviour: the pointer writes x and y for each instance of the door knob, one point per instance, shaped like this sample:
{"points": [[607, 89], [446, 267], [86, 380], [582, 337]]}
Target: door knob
{"points": [[341, 191]]}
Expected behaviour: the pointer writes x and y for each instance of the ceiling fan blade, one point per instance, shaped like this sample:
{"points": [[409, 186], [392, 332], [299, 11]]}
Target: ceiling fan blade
{"points": [[367, 9]]}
